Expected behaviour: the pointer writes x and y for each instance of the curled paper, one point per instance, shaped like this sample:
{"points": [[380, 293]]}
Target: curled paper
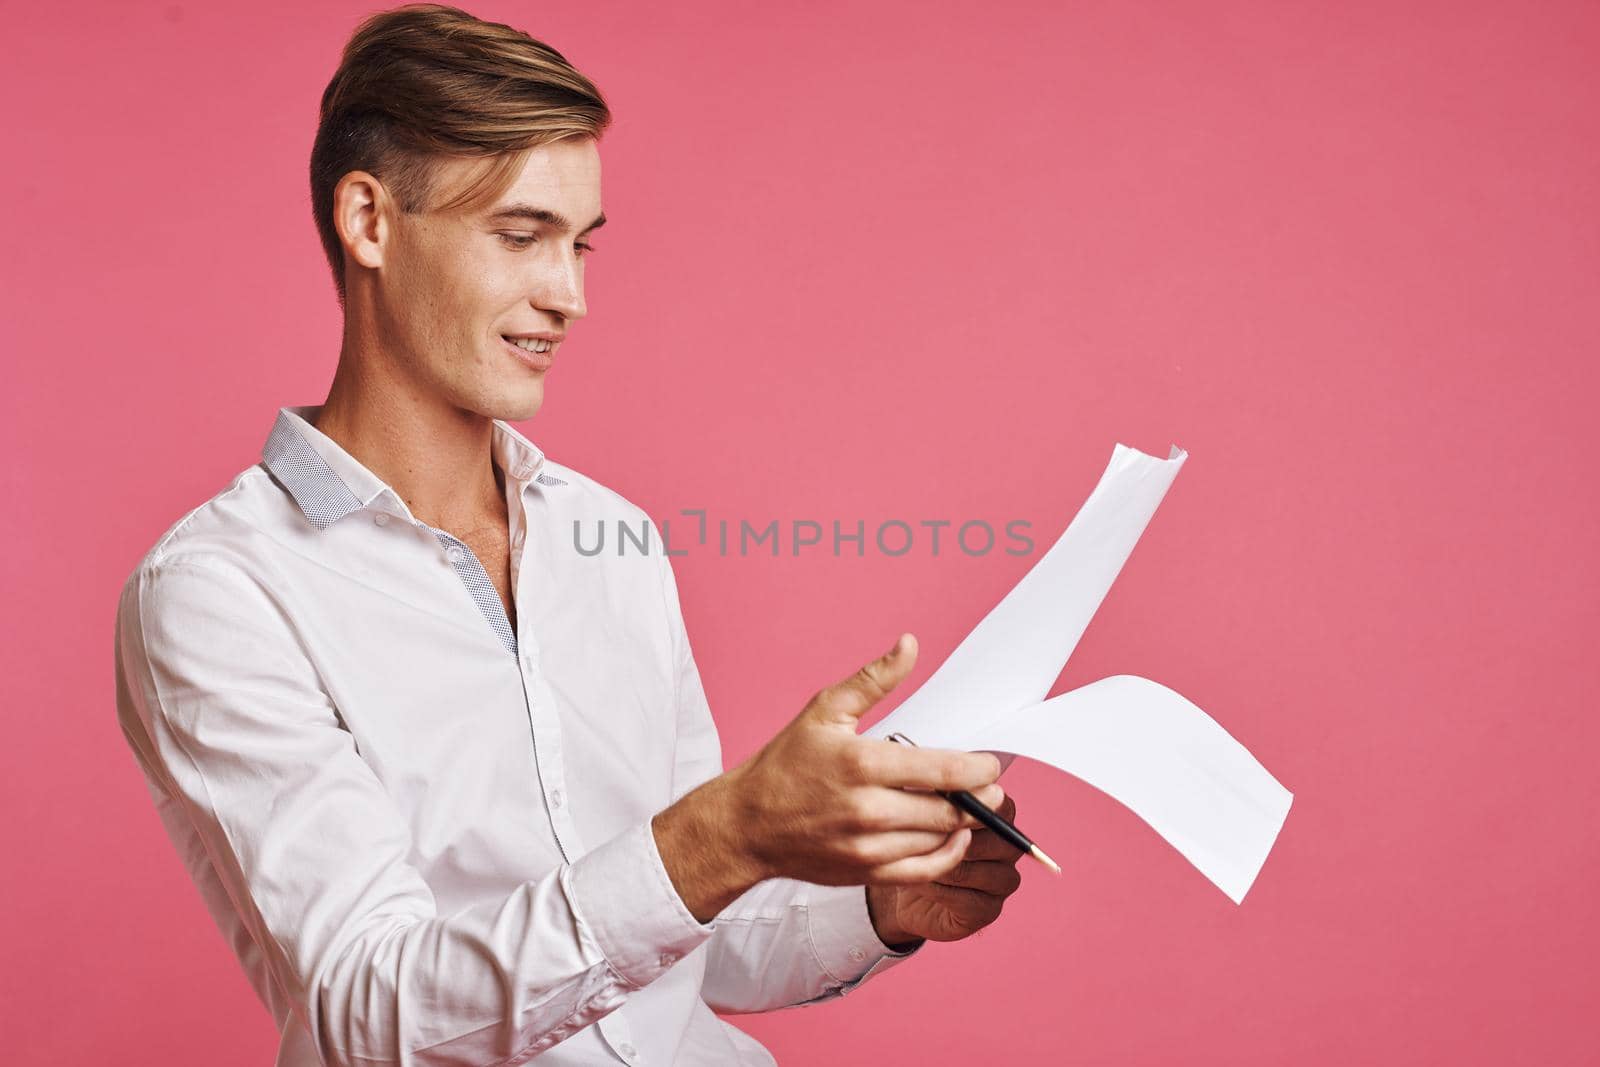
{"points": [[1135, 740]]}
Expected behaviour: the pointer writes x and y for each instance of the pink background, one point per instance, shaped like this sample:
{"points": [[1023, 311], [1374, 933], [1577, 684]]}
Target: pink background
{"points": [[917, 261]]}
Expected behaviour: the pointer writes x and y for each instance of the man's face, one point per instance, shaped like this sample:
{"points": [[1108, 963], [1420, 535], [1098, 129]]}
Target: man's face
{"points": [[452, 287]]}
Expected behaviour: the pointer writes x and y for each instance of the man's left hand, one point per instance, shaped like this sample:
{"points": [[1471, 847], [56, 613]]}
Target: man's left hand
{"points": [[956, 905]]}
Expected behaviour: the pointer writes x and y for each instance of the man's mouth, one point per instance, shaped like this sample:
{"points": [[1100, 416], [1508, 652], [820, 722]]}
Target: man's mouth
{"points": [[531, 344]]}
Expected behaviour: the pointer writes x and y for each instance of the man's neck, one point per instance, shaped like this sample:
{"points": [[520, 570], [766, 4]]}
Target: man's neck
{"points": [[437, 457]]}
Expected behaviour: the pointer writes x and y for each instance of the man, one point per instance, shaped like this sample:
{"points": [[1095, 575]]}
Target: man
{"points": [[450, 788]]}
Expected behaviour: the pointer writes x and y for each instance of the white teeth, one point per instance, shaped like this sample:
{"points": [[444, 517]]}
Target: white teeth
{"points": [[530, 343]]}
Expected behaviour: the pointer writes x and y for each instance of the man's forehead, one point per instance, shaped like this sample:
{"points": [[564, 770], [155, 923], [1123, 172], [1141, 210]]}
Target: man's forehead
{"points": [[557, 184], [562, 179]]}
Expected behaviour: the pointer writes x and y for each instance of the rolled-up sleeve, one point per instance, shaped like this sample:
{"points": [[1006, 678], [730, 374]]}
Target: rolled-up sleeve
{"points": [[784, 942], [229, 722]]}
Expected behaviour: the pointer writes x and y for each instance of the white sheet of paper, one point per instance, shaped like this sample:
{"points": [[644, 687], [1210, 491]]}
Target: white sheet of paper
{"points": [[1139, 742]]}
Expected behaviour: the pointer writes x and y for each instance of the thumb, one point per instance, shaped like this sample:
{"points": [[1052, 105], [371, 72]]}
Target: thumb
{"points": [[846, 701]]}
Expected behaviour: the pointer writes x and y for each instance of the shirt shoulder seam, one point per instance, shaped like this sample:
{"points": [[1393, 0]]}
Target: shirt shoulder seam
{"points": [[158, 553]]}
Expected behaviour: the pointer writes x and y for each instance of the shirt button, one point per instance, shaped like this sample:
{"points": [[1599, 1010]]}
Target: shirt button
{"points": [[381, 518], [453, 554], [857, 955], [556, 798], [668, 959], [627, 1050]]}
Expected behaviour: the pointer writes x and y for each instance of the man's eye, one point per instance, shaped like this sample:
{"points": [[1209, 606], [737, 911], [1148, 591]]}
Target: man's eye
{"points": [[522, 241]]}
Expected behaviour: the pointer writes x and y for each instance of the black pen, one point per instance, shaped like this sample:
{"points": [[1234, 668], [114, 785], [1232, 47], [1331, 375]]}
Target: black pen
{"points": [[984, 814]]}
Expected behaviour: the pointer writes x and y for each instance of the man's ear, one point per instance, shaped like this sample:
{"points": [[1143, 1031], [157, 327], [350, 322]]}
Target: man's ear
{"points": [[361, 208]]}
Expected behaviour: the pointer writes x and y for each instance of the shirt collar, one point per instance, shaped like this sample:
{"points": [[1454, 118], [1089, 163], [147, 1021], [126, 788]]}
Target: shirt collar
{"points": [[329, 483]]}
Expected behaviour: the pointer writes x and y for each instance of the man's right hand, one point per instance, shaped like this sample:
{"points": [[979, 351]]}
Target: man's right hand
{"points": [[820, 803]]}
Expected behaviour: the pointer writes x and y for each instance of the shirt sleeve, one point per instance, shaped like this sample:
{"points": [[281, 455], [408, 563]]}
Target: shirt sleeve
{"points": [[227, 718], [783, 942]]}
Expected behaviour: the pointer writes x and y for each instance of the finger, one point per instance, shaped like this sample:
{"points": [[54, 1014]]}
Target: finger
{"points": [[969, 909], [991, 796], [845, 701], [884, 848], [914, 870], [880, 809], [994, 878], [889, 763], [988, 845]]}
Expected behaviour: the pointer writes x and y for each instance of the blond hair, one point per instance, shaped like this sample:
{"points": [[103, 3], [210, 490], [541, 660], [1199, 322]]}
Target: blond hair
{"points": [[426, 81]]}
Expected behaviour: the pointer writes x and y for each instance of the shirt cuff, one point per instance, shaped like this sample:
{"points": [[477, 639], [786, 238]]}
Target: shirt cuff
{"points": [[626, 906], [842, 937]]}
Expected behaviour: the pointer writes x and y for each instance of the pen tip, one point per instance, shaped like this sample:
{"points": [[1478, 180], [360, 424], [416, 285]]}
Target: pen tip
{"points": [[1038, 854]]}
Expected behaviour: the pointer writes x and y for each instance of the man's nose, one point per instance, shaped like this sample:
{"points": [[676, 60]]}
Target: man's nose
{"points": [[562, 290]]}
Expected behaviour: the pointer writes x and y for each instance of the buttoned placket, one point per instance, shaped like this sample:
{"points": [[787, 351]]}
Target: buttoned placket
{"points": [[544, 724], [546, 727]]}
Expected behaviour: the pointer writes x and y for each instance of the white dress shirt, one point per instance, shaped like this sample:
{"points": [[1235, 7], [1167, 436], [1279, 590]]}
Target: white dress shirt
{"points": [[424, 833]]}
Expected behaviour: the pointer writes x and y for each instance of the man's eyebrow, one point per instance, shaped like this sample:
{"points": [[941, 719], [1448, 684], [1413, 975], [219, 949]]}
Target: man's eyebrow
{"points": [[542, 214]]}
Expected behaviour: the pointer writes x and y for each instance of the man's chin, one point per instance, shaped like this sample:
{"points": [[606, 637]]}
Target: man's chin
{"points": [[523, 403], [510, 399]]}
